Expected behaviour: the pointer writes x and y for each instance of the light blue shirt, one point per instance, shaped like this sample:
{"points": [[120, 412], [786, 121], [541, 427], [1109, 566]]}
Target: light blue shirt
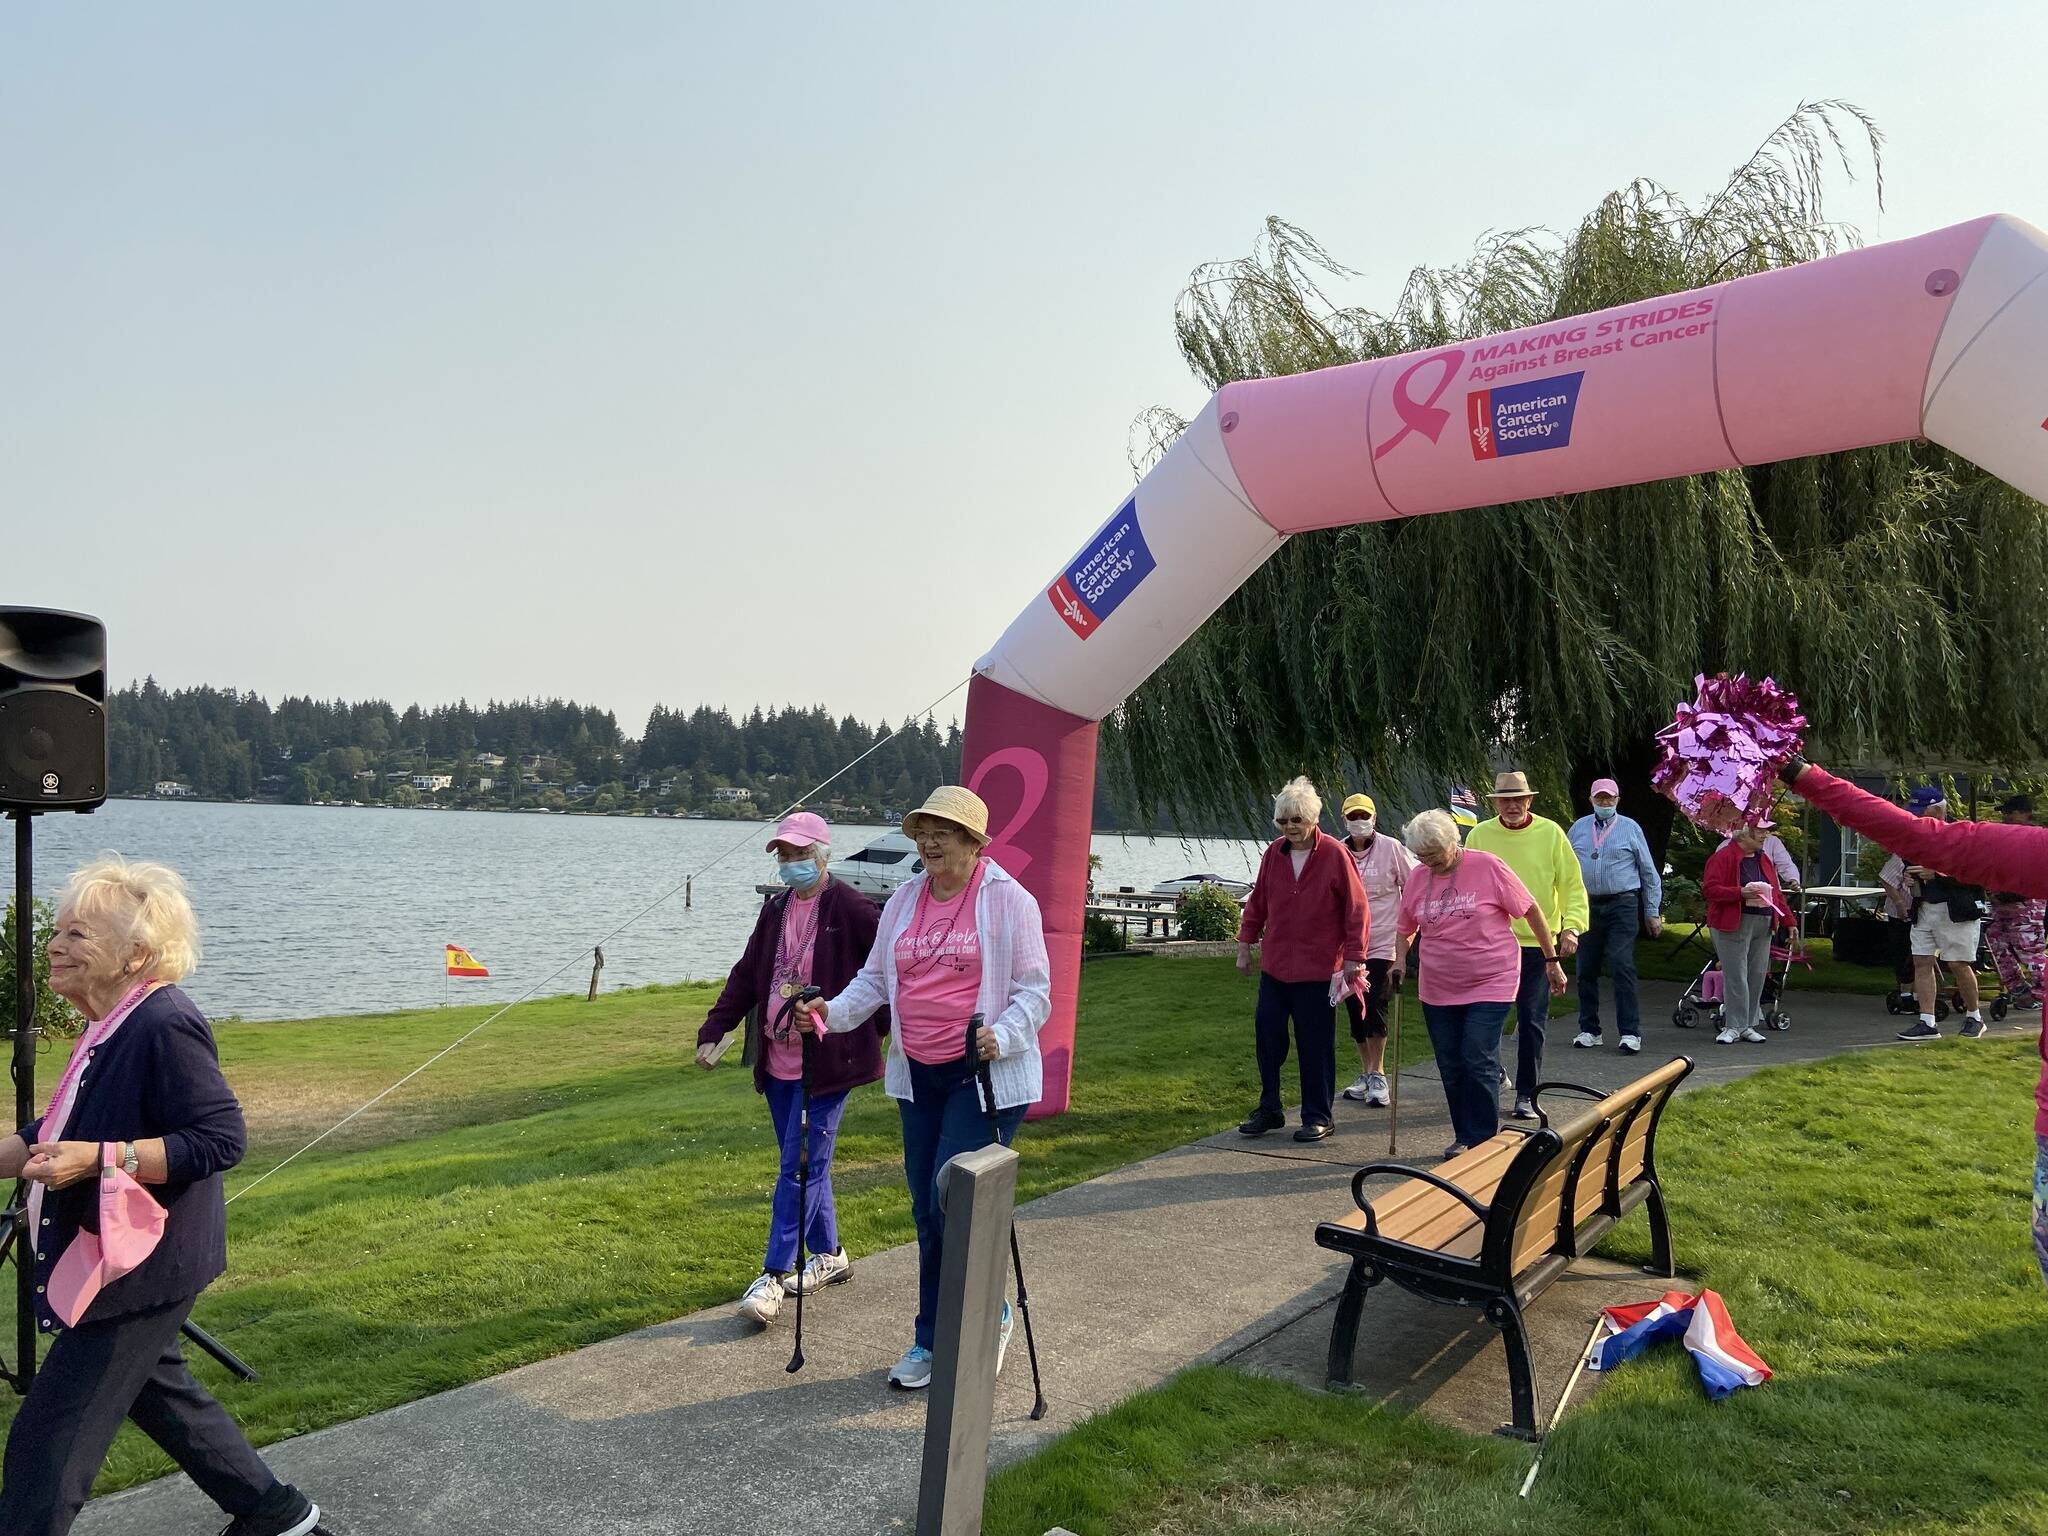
{"points": [[1622, 864]]}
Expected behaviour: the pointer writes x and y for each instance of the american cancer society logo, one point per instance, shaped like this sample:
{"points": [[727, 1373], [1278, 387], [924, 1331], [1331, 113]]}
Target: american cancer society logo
{"points": [[1107, 571], [1522, 418]]}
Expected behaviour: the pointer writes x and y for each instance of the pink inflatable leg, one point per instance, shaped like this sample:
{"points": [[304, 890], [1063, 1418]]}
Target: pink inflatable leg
{"points": [[1035, 766]]}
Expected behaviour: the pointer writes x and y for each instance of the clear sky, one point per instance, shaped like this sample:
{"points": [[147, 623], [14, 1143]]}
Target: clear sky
{"points": [[638, 352]]}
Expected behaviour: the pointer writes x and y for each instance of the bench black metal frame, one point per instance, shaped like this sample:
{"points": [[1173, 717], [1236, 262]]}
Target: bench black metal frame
{"points": [[1489, 1281]]}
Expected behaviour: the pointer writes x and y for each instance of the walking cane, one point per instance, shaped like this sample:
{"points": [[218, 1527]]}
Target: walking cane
{"points": [[1394, 1050], [986, 1088], [807, 1042]]}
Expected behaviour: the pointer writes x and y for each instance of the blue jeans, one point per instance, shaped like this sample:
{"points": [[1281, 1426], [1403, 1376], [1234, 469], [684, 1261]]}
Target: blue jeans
{"points": [[1610, 941], [1466, 1039], [821, 1220], [2041, 1203], [1532, 1013], [943, 1120]]}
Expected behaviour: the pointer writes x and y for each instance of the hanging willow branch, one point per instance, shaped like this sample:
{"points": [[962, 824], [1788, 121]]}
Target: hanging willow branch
{"points": [[1898, 588]]}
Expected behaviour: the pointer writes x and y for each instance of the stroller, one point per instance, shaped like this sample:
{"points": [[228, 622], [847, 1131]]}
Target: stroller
{"points": [[1703, 999]]}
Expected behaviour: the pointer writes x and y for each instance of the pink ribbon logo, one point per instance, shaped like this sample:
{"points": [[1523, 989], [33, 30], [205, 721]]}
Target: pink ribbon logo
{"points": [[1424, 416]]}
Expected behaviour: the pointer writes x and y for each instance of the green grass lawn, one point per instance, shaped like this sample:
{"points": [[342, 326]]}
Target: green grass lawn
{"points": [[570, 1174], [1866, 1219]]}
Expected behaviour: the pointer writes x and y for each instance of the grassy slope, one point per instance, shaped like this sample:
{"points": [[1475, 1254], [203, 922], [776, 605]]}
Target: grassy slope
{"points": [[569, 1175], [1866, 1219]]}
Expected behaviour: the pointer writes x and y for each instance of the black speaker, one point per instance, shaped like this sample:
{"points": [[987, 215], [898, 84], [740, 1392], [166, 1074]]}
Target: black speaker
{"points": [[53, 710]]}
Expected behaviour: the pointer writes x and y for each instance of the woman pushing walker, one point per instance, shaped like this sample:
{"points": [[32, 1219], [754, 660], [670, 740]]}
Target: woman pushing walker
{"points": [[814, 932], [960, 940]]}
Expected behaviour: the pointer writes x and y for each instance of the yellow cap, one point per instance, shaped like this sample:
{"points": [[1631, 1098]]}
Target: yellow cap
{"points": [[1361, 803]]}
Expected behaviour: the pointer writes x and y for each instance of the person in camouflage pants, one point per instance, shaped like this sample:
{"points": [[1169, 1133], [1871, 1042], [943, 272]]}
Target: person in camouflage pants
{"points": [[2017, 931]]}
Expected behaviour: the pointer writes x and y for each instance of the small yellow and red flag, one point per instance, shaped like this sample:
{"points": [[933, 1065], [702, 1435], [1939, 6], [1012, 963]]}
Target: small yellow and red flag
{"points": [[462, 963]]}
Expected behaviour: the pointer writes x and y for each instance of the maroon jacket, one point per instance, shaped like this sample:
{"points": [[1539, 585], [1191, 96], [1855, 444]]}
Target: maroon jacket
{"points": [[1313, 924], [846, 932]]}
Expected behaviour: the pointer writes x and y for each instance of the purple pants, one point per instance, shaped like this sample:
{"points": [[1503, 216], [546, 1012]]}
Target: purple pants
{"points": [[821, 1221]]}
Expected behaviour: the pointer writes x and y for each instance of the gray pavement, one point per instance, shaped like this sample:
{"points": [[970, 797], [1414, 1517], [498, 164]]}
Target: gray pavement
{"points": [[1200, 1254]]}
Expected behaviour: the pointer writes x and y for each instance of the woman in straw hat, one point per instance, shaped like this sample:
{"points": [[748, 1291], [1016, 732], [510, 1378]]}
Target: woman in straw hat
{"points": [[963, 938], [815, 931]]}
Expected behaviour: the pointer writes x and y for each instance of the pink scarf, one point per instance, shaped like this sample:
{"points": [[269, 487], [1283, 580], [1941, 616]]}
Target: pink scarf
{"points": [[131, 1222]]}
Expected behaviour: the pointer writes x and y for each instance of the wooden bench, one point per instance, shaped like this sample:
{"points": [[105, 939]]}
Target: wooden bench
{"points": [[1494, 1226]]}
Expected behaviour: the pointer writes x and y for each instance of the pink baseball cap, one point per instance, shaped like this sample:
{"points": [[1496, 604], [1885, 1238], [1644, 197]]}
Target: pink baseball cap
{"points": [[1605, 787], [801, 829]]}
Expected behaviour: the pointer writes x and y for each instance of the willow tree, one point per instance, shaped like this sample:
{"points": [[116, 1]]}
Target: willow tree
{"points": [[1899, 589]]}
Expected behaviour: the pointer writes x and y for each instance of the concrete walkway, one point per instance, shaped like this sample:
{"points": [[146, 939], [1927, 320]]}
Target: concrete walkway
{"points": [[1203, 1253]]}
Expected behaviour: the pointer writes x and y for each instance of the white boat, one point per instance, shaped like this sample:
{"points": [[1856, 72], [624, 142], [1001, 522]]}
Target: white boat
{"points": [[1238, 888], [877, 870]]}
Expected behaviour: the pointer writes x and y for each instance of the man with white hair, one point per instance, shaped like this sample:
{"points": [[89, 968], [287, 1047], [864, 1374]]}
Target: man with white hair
{"points": [[1307, 912]]}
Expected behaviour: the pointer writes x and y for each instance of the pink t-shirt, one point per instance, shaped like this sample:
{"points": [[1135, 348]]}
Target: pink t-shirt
{"points": [[1466, 924], [793, 954], [938, 974]]}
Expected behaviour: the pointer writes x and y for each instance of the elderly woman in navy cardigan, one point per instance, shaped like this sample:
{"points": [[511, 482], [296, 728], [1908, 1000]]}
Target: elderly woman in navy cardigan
{"points": [[143, 1092], [814, 932]]}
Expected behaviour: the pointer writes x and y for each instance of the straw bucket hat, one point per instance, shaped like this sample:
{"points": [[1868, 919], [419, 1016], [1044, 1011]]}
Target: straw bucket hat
{"points": [[1510, 786], [950, 803]]}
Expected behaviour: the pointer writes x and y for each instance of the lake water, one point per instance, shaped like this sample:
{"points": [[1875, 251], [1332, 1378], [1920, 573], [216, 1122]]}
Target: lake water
{"points": [[322, 909]]}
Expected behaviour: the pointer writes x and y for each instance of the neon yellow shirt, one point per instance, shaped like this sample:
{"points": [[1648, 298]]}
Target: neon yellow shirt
{"points": [[1541, 856]]}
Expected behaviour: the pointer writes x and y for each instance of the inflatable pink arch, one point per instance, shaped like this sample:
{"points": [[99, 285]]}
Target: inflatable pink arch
{"points": [[1941, 337]]}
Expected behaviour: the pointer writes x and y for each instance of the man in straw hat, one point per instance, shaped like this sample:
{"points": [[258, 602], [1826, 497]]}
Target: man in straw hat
{"points": [[1541, 856]]}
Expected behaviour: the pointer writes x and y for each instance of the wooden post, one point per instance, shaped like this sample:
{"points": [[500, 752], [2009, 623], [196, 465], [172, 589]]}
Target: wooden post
{"points": [[594, 971]]}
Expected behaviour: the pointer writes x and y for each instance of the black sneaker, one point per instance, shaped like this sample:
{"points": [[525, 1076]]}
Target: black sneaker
{"points": [[1262, 1121], [1919, 1030], [1974, 1028], [285, 1512]]}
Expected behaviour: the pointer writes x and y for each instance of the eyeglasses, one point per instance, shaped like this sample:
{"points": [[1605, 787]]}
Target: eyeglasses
{"points": [[1290, 821]]}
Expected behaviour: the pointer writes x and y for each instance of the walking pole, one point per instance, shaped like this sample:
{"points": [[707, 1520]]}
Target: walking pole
{"points": [[1585, 1358], [806, 1042], [986, 1088], [1394, 1050]]}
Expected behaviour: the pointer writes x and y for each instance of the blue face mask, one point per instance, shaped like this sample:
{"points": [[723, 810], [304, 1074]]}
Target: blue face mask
{"points": [[798, 875], [1604, 812]]}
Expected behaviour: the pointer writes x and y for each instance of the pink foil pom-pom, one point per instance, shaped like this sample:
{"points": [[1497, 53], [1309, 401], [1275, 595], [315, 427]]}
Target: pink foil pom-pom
{"points": [[1720, 757]]}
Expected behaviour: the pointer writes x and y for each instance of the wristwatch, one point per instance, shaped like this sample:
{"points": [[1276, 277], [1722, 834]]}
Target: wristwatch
{"points": [[130, 1162]]}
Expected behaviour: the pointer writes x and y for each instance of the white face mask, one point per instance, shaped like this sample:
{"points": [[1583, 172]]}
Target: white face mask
{"points": [[1360, 826]]}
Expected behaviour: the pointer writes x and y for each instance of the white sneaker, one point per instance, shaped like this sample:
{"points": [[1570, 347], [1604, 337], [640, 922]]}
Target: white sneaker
{"points": [[1754, 1036], [822, 1270], [1376, 1089], [763, 1301], [914, 1371], [1630, 1044], [1361, 1086], [1728, 1036], [1586, 1040], [1003, 1331]]}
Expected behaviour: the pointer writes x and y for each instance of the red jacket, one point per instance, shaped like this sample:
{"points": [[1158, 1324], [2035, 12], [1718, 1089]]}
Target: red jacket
{"points": [[1312, 924], [1721, 884], [1995, 855]]}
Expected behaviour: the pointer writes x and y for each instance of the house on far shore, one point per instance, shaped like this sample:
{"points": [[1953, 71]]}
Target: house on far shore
{"points": [[579, 790], [488, 760], [171, 789], [428, 783], [732, 795]]}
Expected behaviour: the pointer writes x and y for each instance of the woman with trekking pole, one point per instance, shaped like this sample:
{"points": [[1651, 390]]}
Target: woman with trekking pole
{"points": [[814, 931], [960, 962]]}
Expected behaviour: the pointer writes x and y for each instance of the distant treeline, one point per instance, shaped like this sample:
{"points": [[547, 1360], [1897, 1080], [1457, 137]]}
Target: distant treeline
{"points": [[225, 744]]}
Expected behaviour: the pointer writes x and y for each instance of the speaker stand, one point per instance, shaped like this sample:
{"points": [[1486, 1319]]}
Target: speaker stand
{"points": [[24, 1066]]}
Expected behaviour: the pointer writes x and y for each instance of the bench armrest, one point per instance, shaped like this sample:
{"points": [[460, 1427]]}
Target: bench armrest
{"points": [[1372, 1227], [1536, 1098]]}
